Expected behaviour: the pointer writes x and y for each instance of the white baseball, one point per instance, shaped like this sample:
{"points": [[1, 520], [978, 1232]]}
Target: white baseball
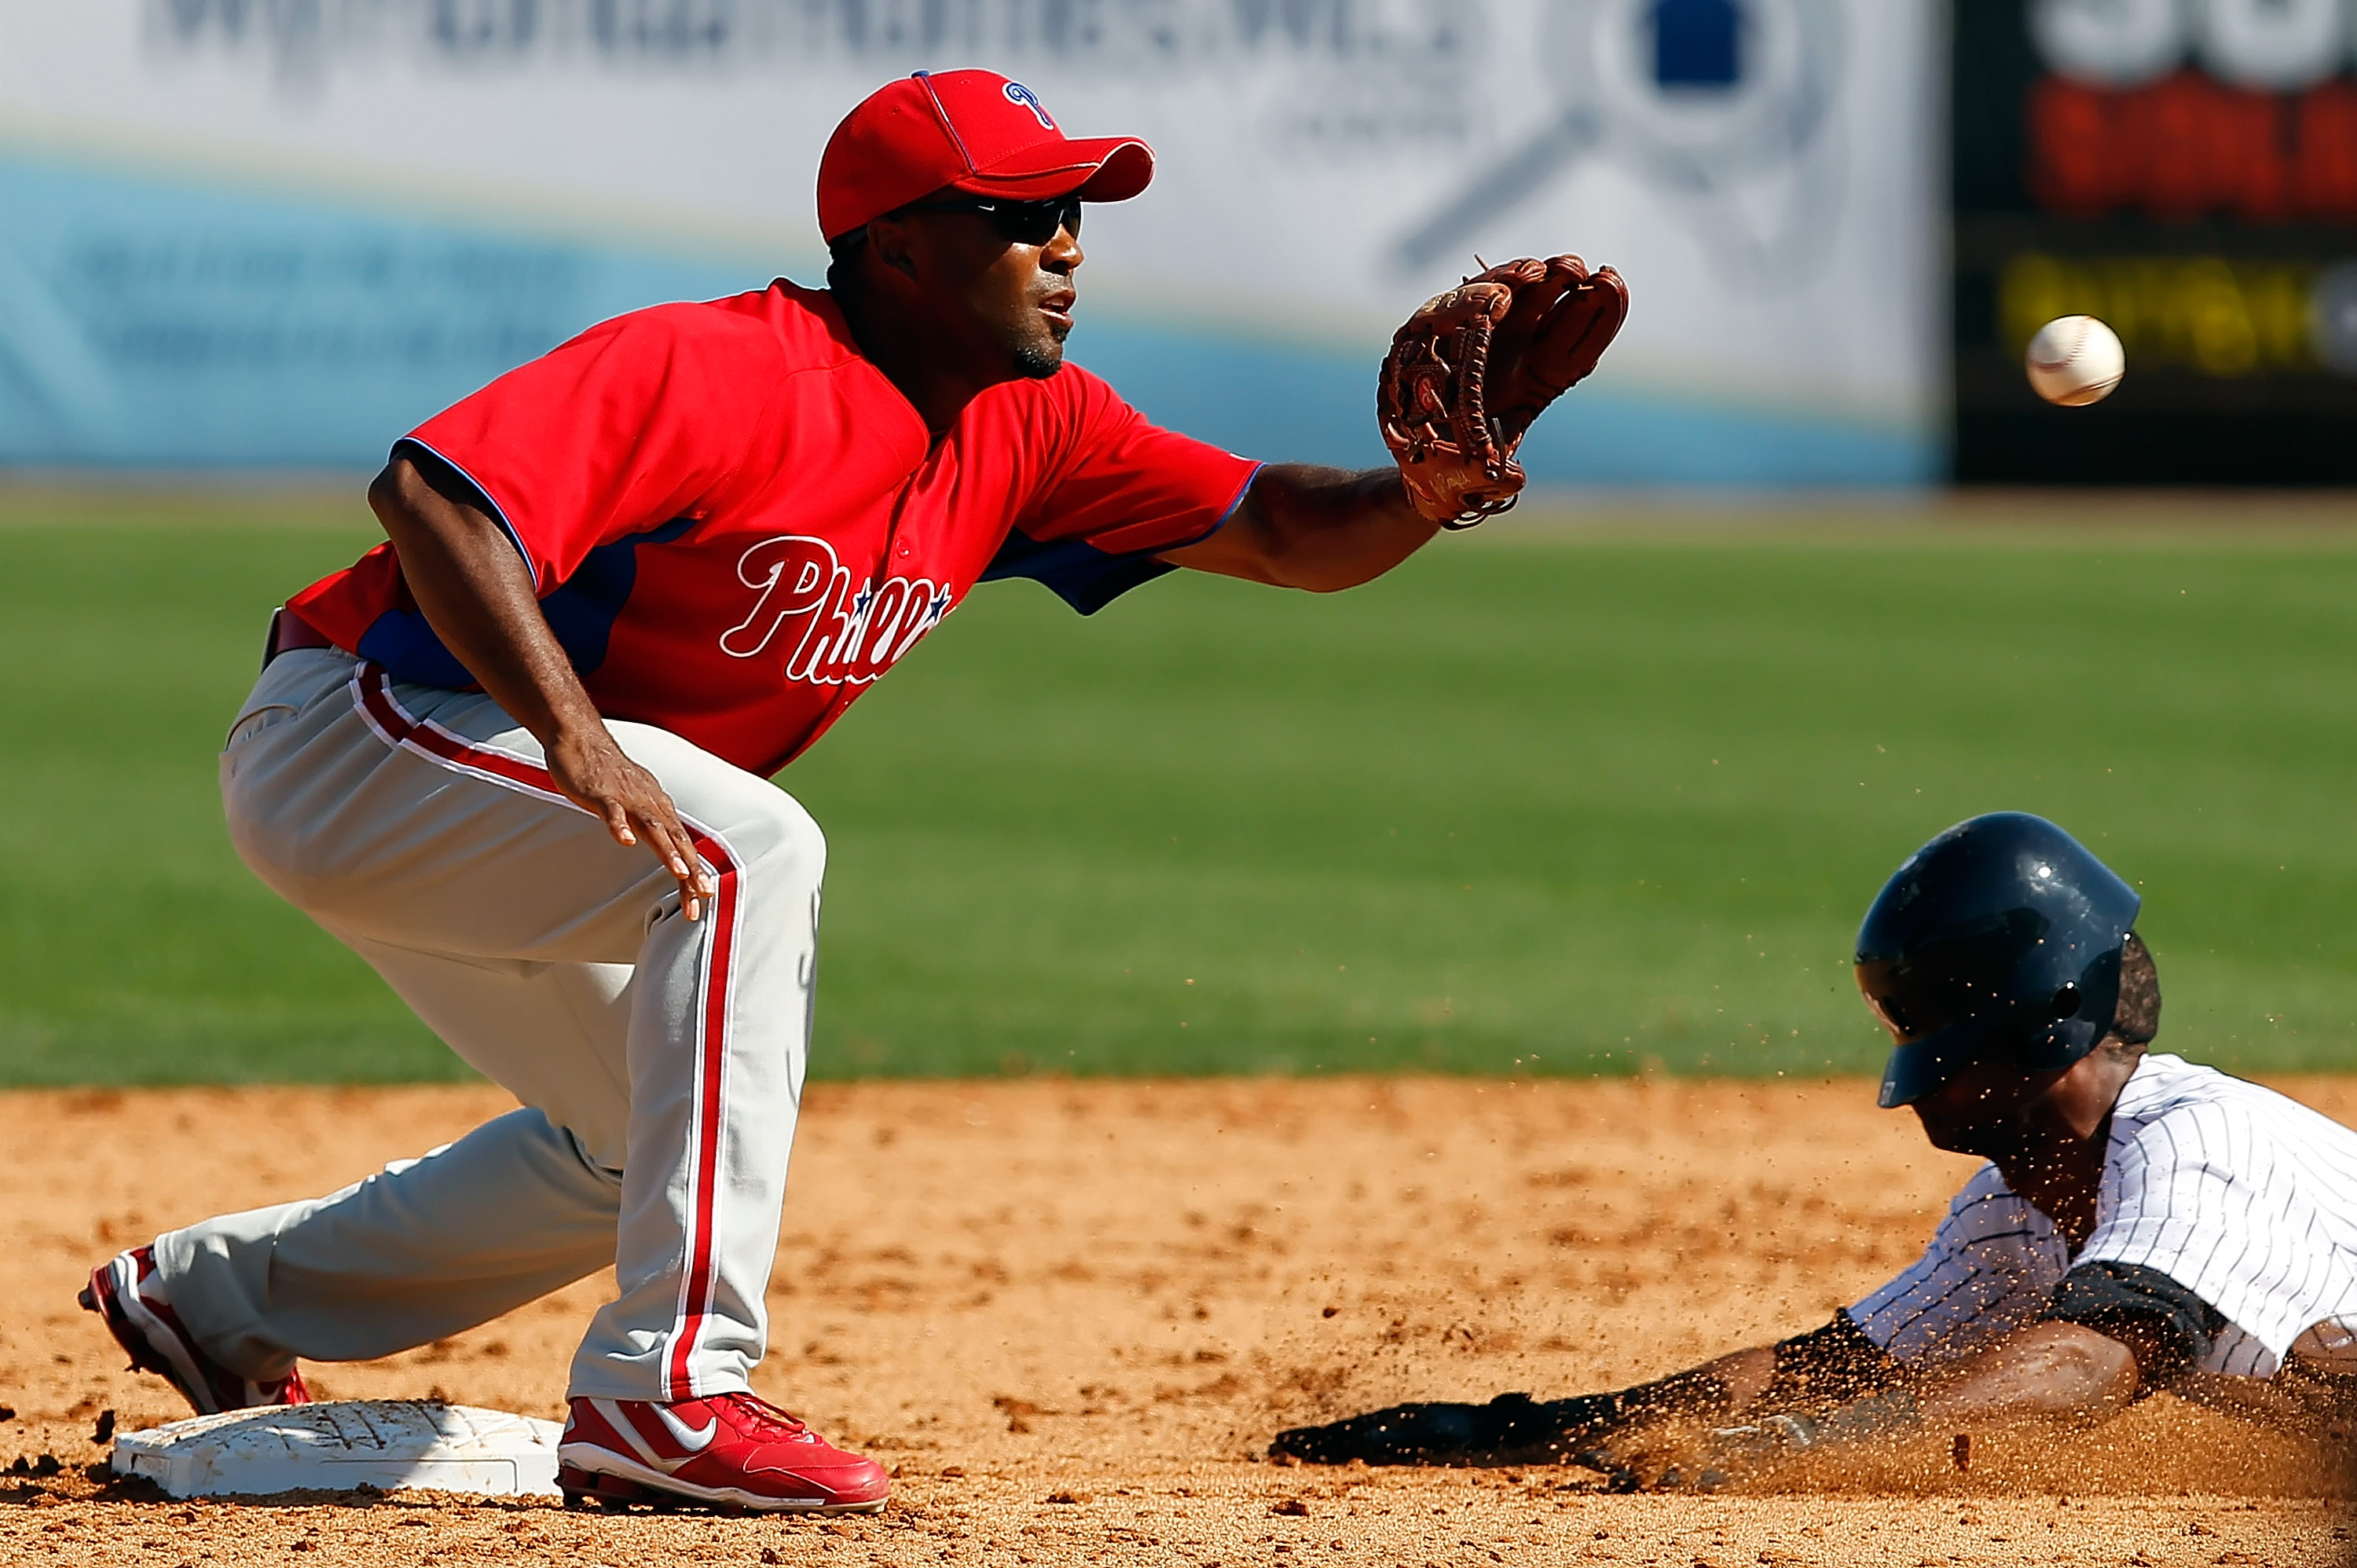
{"points": [[2075, 360]]}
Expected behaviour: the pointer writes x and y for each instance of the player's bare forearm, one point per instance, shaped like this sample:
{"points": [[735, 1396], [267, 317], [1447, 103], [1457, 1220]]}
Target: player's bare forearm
{"points": [[1323, 530], [2049, 1373], [1760, 1407], [478, 596], [2054, 1375]]}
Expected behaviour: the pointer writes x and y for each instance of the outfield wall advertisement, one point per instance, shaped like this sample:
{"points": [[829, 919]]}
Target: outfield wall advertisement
{"points": [[2188, 173], [280, 231]]}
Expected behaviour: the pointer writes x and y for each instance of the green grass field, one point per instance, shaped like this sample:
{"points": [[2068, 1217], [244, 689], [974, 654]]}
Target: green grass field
{"points": [[1546, 800]]}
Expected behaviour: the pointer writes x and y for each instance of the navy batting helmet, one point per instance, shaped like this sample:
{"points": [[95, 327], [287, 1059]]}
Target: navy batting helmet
{"points": [[1999, 940]]}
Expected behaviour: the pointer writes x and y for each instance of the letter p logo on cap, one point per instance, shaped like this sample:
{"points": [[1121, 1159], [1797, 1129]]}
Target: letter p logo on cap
{"points": [[1019, 94]]}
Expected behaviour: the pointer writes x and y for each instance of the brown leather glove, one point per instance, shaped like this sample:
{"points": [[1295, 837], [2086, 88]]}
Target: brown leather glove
{"points": [[1476, 365]]}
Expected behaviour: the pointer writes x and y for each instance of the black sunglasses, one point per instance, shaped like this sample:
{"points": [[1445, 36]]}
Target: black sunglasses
{"points": [[1019, 222]]}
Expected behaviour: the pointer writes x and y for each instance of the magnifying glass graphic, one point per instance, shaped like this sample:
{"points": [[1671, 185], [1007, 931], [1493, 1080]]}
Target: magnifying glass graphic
{"points": [[1698, 94]]}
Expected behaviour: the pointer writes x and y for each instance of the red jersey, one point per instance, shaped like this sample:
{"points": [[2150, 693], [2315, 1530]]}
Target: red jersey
{"points": [[735, 522]]}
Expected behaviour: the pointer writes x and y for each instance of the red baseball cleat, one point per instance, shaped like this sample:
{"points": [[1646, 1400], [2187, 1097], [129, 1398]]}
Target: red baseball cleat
{"points": [[121, 1292], [731, 1451]]}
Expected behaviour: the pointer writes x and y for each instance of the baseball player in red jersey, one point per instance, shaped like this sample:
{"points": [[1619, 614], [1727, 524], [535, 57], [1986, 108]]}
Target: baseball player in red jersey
{"points": [[515, 757]]}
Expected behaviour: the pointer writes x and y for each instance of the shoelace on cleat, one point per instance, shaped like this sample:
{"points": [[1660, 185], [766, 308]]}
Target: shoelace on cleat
{"points": [[764, 1418]]}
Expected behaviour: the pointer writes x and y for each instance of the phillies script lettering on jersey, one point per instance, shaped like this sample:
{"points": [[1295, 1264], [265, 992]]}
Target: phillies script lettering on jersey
{"points": [[837, 633], [734, 523]]}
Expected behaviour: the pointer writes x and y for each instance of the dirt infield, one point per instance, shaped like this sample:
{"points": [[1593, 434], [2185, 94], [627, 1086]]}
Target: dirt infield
{"points": [[1071, 1315]]}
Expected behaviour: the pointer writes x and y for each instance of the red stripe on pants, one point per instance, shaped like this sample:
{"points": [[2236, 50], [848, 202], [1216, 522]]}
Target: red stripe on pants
{"points": [[374, 690]]}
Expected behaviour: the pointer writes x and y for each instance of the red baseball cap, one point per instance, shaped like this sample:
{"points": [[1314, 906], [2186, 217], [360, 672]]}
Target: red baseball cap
{"points": [[964, 130]]}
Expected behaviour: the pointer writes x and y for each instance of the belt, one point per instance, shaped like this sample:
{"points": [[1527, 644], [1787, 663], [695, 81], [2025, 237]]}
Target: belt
{"points": [[289, 632]]}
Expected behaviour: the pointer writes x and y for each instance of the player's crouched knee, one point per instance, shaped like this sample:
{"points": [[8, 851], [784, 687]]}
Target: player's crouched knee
{"points": [[780, 842]]}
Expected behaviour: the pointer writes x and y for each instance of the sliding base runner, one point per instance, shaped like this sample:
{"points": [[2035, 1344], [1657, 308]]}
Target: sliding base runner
{"points": [[2141, 1223]]}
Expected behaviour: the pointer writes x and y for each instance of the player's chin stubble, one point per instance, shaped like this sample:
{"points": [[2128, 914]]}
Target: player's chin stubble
{"points": [[1040, 354], [1035, 342]]}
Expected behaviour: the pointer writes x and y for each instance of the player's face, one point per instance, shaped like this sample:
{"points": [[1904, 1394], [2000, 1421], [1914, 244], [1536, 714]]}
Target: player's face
{"points": [[1987, 1109], [1007, 304]]}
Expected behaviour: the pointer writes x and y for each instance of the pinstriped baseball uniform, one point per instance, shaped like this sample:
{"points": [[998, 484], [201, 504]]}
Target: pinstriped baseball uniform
{"points": [[2244, 1198]]}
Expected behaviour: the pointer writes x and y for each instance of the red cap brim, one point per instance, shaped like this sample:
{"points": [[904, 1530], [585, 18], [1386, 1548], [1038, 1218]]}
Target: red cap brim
{"points": [[1096, 168]]}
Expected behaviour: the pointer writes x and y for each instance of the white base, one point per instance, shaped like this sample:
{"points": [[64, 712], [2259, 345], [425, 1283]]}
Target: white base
{"points": [[345, 1445]]}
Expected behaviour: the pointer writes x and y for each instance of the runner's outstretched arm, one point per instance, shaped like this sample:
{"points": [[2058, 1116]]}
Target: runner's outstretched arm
{"points": [[1828, 1387]]}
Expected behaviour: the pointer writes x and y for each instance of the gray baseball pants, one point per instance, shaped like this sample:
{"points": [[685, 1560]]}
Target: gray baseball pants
{"points": [[660, 1061]]}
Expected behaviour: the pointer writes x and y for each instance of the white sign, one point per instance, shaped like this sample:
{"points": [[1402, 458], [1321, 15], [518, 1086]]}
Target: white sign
{"points": [[2272, 46], [1762, 171]]}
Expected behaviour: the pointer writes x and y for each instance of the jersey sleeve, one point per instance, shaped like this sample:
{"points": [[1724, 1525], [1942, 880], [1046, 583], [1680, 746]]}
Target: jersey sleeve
{"points": [[1991, 1269], [629, 426], [1127, 490], [2195, 1195]]}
